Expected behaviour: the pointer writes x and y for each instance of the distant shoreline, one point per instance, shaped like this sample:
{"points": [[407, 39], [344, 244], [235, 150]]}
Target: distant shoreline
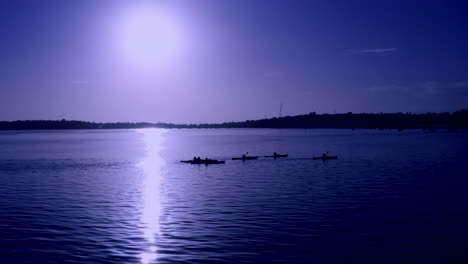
{"points": [[429, 121]]}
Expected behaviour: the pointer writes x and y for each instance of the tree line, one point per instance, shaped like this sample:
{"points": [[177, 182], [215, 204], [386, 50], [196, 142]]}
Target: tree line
{"points": [[458, 119]]}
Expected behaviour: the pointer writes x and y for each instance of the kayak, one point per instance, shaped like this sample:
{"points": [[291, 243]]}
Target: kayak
{"points": [[325, 158], [205, 162], [246, 158], [277, 156]]}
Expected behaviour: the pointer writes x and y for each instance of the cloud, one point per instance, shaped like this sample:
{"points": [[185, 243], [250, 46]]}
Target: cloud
{"points": [[429, 88], [379, 51], [439, 88], [460, 87], [462, 84], [375, 51], [388, 88]]}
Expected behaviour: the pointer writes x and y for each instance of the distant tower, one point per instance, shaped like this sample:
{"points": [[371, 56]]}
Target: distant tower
{"points": [[281, 110]]}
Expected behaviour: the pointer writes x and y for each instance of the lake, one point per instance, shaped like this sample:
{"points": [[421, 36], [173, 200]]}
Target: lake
{"points": [[122, 196]]}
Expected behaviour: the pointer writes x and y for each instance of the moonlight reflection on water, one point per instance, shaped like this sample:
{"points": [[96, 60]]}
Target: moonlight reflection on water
{"points": [[151, 166]]}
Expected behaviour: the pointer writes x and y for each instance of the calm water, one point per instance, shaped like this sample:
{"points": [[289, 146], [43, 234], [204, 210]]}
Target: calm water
{"points": [[120, 196]]}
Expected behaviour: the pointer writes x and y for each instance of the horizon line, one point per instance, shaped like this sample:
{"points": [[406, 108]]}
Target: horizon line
{"points": [[224, 122]]}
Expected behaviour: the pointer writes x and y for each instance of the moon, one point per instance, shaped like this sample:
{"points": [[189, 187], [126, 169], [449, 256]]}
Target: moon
{"points": [[149, 37]]}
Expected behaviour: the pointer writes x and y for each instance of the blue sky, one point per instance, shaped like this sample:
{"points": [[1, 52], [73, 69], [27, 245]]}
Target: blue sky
{"points": [[214, 61]]}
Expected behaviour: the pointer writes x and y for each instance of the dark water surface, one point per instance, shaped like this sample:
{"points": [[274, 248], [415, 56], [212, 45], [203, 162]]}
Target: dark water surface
{"points": [[121, 196]]}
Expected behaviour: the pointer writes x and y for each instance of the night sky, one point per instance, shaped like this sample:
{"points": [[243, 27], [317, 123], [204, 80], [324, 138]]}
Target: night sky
{"points": [[213, 61]]}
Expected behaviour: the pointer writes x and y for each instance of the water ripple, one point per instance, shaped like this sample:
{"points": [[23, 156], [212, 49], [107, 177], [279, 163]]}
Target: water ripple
{"points": [[122, 197]]}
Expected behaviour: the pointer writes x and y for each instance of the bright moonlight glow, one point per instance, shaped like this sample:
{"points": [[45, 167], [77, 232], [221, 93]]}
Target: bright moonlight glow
{"points": [[149, 37]]}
